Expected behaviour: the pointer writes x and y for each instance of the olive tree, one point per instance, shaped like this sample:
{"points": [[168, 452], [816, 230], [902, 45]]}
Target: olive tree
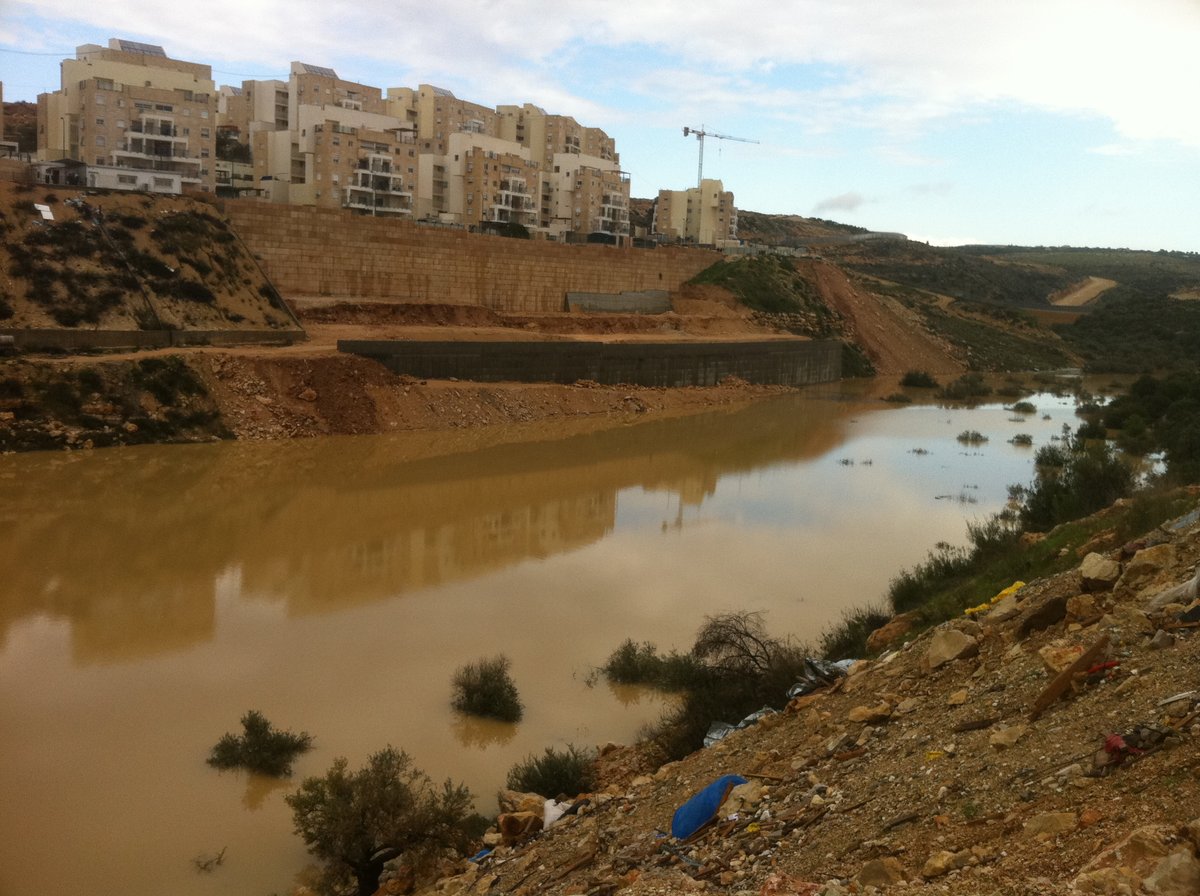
{"points": [[356, 821]]}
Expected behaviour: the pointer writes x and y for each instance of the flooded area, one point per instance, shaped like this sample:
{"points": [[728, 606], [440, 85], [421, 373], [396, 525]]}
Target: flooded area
{"points": [[151, 596]]}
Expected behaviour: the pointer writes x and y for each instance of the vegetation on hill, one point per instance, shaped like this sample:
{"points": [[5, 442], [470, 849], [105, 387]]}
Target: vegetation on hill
{"points": [[1137, 334]]}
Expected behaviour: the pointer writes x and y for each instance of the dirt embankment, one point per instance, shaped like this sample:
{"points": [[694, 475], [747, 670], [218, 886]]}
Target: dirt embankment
{"points": [[1043, 747]]}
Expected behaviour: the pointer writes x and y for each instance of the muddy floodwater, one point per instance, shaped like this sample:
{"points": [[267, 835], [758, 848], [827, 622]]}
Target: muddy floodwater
{"points": [[150, 596]]}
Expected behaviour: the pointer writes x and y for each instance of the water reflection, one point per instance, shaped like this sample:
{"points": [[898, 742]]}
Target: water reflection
{"points": [[151, 595], [135, 546]]}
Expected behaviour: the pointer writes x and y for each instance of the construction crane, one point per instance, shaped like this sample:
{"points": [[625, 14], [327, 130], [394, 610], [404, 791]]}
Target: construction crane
{"points": [[700, 135]]}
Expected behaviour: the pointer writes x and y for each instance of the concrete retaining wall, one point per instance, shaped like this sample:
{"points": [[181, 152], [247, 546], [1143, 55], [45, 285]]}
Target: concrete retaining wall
{"points": [[82, 340], [783, 362], [330, 252], [648, 301]]}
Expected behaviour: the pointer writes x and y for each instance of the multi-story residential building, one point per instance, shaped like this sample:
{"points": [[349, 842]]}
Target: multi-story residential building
{"points": [[703, 215], [130, 107], [253, 107], [341, 147]]}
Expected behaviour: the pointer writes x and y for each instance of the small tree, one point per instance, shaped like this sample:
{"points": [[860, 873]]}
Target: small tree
{"points": [[356, 822], [260, 748], [568, 772], [486, 689]]}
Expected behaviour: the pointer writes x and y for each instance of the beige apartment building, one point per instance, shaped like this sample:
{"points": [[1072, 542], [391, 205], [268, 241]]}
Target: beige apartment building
{"points": [[141, 120], [134, 116], [704, 215]]}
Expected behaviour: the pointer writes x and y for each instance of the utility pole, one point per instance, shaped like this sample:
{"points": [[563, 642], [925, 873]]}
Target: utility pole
{"points": [[700, 135]]}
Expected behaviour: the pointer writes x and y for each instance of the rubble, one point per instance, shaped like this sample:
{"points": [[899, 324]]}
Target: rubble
{"points": [[880, 782]]}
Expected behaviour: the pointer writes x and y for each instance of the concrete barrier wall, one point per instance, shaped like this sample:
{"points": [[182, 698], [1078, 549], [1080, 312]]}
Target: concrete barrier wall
{"points": [[782, 362], [647, 301], [330, 252], [82, 340]]}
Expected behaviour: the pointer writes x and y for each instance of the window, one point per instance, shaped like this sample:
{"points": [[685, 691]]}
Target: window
{"points": [[204, 133], [100, 140], [100, 122], [204, 113], [204, 153], [126, 179]]}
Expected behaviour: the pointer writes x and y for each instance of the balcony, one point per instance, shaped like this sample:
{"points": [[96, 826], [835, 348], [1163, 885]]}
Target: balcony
{"points": [[377, 203], [158, 129]]}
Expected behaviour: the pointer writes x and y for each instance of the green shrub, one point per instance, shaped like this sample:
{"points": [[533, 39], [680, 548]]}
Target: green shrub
{"points": [[260, 748], [919, 379], [486, 689], [1023, 439], [1024, 407], [967, 386], [848, 639], [971, 437], [355, 822], [555, 774]]}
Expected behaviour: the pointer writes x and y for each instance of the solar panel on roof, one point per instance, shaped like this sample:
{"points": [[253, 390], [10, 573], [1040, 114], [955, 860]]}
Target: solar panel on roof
{"points": [[133, 46], [318, 70]]}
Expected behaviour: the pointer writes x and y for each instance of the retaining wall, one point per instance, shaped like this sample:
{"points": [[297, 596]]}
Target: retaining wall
{"points": [[782, 362], [82, 340], [331, 252]]}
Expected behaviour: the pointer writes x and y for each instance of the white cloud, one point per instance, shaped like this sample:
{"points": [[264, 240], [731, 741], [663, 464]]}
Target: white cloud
{"points": [[845, 202], [865, 62]]}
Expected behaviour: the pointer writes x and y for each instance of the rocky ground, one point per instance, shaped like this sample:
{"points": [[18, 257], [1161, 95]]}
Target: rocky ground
{"points": [[1046, 744]]}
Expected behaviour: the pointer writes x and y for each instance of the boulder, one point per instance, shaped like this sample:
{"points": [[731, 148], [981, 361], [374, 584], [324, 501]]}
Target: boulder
{"points": [[1146, 566], [1050, 824], [1099, 573], [944, 862], [1041, 616], [1056, 657], [515, 801], [949, 644], [891, 632], [517, 826], [1176, 875], [872, 715], [881, 873], [1082, 607]]}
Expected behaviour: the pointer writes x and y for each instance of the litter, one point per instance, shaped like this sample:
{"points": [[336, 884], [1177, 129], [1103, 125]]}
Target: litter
{"points": [[719, 730], [703, 807], [818, 674]]}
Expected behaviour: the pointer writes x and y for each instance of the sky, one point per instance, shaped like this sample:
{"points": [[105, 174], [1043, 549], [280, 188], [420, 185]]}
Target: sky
{"points": [[1026, 122]]}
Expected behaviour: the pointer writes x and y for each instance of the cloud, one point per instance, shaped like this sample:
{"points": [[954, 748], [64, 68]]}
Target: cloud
{"points": [[861, 63], [846, 202]]}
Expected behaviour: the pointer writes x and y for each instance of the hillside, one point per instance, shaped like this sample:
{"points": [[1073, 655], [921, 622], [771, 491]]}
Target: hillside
{"points": [[127, 261], [1047, 745]]}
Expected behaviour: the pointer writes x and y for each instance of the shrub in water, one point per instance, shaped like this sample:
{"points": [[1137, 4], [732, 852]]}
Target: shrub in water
{"points": [[260, 748], [555, 773], [486, 689], [919, 379]]}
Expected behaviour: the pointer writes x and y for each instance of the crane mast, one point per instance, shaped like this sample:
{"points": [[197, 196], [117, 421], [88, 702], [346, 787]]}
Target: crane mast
{"points": [[700, 135]]}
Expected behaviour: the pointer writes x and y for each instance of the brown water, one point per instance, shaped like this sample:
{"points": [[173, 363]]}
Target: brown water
{"points": [[150, 596]]}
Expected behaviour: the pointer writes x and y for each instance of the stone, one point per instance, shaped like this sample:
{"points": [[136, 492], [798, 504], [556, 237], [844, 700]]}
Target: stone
{"points": [[872, 715], [515, 801], [958, 698], [944, 862], [1041, 616], [517, 826], [1004, 609], [881, 873], [308, 394], [891, 632], [1146, 566], [1162, 640], [949, 644], [1089, 817], [1082, 607], [1176, 875], [1056, 657], [743, 798], [1099, 573], [1050, 824], [1128, 621], [1107, 882], [908, 704], [1003, 738]]}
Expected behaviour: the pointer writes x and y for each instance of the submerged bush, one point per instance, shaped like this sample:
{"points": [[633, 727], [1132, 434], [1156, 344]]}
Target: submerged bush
{"points": [[260, 748], [919, 379], [486, 689], [566, 773]]}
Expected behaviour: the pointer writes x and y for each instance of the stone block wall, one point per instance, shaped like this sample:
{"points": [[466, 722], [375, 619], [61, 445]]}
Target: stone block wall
{"points": [[330, 252], [666, 364]]}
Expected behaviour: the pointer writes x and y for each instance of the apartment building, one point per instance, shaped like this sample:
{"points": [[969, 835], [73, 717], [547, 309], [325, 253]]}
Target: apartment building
{"points": [[704, 215], [137, 118], [339, 148], [253, 107]]}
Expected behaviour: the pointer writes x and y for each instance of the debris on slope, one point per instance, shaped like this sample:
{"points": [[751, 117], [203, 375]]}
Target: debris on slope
{"points": [[1047, 745]]}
